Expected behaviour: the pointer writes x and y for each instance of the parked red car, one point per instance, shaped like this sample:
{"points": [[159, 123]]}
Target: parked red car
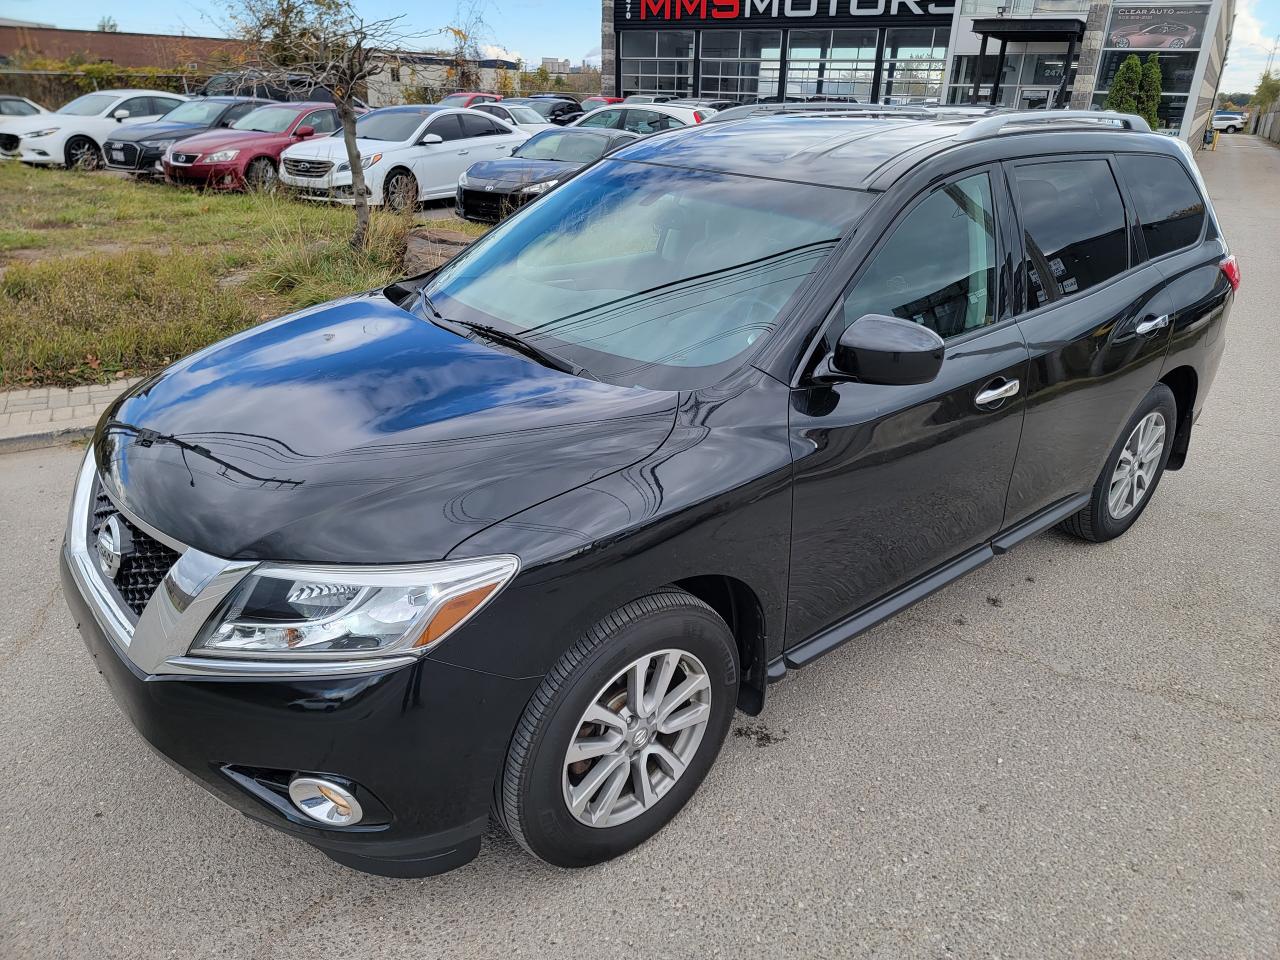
{"points": [[592, 103], [248, 152], [465, 98]]}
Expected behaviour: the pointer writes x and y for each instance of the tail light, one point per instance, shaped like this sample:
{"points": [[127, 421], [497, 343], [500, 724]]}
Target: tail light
{"points": [[1231, 270], [697, 116]]}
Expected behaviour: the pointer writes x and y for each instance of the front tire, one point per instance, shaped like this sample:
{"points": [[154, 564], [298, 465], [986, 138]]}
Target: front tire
{"points": [[260, 174], [82, 154], [621, 732], [1132, 472], [400, 192]]}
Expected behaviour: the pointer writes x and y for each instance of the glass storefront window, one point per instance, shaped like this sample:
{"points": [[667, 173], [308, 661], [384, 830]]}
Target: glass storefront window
{"points": [[833, 63], [740, 64], [914, 58], [1171, 111], [1176, 69], [656, 61]]}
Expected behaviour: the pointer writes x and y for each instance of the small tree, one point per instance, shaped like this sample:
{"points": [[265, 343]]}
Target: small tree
{"points": [[108, 25], [332, 47], [1123, 96], [1267, 93], [1149, 92]]}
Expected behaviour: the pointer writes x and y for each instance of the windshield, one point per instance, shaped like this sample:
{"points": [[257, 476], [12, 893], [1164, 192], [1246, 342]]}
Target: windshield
{"points": [[196, 112], [455, 100], [88, 105], [524, 115], [392, 125], [569, 146], [267, 119], [542, 107], [648, 275]]}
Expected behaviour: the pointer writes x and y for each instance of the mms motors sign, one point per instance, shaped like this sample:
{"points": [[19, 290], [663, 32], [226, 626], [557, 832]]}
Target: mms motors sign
{"points": [[766, 12]]}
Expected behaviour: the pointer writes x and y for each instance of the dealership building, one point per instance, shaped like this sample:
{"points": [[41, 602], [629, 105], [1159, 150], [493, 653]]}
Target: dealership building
{"points": [[1029, 54]]}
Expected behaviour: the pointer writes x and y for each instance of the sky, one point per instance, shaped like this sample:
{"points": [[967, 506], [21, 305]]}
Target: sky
{"points": [[533, 29]]}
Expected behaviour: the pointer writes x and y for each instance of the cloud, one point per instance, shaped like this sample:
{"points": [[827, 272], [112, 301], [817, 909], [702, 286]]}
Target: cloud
{"points": [[1250, 47], [496, 51], [592, 56]]}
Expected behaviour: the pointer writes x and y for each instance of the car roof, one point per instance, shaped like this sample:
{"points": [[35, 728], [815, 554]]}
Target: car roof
{"points": [[132, 91], [851, 150]]}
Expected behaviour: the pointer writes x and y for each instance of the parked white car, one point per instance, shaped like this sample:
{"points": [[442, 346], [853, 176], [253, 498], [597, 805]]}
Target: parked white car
{"points": [[644, 118], [72, 136], [1229, 122], [15, 113], [516, 115], [409, 154]]}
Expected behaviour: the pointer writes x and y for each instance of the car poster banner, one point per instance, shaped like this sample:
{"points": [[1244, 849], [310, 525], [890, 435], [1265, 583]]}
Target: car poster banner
{"points": [[1157, 28]]}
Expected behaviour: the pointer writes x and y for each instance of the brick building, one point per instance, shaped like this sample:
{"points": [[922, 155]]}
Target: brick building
{"points": [[122, 49]]}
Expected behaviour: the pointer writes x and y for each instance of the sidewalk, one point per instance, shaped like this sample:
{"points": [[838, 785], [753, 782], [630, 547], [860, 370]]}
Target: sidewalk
{"points": [[45, 416]]}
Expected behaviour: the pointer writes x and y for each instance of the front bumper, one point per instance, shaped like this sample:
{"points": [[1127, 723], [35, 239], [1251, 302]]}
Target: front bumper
{"points": [[419, 743], [333, 186], [40, 155], [224, 176]]}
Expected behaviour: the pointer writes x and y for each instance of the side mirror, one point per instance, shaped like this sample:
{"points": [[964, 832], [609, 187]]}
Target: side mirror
{"points": [[121, 114], [432, 138], [888, 350], [304, 131]]}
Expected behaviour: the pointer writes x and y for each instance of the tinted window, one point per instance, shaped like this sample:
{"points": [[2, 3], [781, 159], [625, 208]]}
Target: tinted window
{"points": [[446, 127], [198, 112], [473, 126], [648, 121], [396, 126], [570, 146], [1073, 227], [325, 121], [938, 268], [16, 108], [1169, 206], [163, 105], [492, 110], [236, 112], [641, 272], [605, 118], [137, 107]]}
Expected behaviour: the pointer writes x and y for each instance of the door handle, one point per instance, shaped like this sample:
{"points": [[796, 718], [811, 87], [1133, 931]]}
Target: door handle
{"points": [[1151, 324], [463, 153], [997, 393]]}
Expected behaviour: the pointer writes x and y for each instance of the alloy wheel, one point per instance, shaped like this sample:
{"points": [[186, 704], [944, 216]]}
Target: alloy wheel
{"points": [[1136, 469], [83, 155], [637, 738]]}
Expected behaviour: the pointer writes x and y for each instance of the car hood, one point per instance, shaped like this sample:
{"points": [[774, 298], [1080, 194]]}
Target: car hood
{"points": [[356, 432], [152, 131], [223, 138], [335, 148], [516, 171]]}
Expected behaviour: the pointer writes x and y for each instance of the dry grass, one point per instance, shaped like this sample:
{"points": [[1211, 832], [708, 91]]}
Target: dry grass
{"points": [[104, 276]]}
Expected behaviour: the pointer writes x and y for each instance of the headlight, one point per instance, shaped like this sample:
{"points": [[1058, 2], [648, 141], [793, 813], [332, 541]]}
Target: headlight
{"points": [[157, 144], [365, 163], [220, 156], [39, 133], [286, 612], [542, 187], [462, 179]]}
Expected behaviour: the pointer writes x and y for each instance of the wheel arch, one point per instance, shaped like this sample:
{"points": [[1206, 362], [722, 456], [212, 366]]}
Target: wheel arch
{"points": [[391, 172], [1185, 383], [737, 604]]}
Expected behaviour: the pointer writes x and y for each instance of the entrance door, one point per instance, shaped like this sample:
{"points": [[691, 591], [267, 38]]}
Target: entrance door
{"points": [[1036, 98]]}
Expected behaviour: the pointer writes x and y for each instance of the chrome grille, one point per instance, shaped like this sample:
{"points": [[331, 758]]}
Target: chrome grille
{"points": [[121, 155], [140, 570], [185, 158], [307, 168]]}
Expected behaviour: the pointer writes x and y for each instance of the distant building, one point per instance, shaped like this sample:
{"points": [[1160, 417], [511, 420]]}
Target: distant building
{"points": [[122, 49], [407, 73], [554, 66]]}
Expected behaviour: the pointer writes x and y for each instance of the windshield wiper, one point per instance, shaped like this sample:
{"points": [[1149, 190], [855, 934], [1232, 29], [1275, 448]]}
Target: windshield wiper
{"points": [[509, 340]]}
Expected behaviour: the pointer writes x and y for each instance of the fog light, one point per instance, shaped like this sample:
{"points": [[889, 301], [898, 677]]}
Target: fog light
{"points": [[325, 801]]}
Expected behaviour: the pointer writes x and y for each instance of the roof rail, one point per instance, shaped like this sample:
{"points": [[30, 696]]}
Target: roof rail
{"points": [[990, 126], [816, 106]]}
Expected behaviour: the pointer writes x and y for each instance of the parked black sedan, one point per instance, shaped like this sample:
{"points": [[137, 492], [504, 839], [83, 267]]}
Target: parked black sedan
{"points": [[138, 148], [491, 189], [552, 108]]}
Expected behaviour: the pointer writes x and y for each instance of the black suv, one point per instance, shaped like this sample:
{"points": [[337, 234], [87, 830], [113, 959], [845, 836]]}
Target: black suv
{"points": [[521, 534]]}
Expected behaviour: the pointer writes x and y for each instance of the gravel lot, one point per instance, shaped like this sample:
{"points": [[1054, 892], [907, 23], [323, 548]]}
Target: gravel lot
{"points": [[1072, 753]]}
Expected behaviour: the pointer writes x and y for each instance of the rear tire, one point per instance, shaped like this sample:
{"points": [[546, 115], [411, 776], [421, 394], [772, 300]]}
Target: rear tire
{"points": [[650, 745], [1232, 129], [1132, 472]]}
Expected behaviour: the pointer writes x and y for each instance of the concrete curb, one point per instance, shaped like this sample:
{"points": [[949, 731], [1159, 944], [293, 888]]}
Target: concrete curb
{"points": [[70, 433]]}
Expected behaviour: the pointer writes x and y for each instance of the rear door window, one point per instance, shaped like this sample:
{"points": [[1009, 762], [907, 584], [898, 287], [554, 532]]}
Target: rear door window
{"points": [[1168, 204], [1073, 225]]}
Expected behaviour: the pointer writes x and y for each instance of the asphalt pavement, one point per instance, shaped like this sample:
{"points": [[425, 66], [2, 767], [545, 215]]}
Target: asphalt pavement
{"points": [[1074, 752]]}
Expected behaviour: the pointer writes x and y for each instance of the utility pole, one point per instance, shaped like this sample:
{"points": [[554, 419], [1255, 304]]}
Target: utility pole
{"points": [[1272, 55]]}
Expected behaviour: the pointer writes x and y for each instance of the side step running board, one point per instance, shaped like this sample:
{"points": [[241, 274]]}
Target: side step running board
{"points": [[805, 652]]}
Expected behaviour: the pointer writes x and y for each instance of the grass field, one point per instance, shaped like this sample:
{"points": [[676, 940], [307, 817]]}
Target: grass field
{"points": [[102, 277]]}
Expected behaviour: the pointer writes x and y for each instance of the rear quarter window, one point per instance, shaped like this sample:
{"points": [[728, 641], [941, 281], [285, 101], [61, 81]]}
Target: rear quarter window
{"points": [[1073, 226], [1168, 204]]}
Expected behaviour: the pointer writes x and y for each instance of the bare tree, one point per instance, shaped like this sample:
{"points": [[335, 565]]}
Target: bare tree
{"points": [[326, 44], [469, 27]]}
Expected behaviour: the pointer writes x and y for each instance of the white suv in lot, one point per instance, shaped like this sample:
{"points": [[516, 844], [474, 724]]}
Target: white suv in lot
{"points": [[1229, 122], [72, 136], [409, 154]]}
